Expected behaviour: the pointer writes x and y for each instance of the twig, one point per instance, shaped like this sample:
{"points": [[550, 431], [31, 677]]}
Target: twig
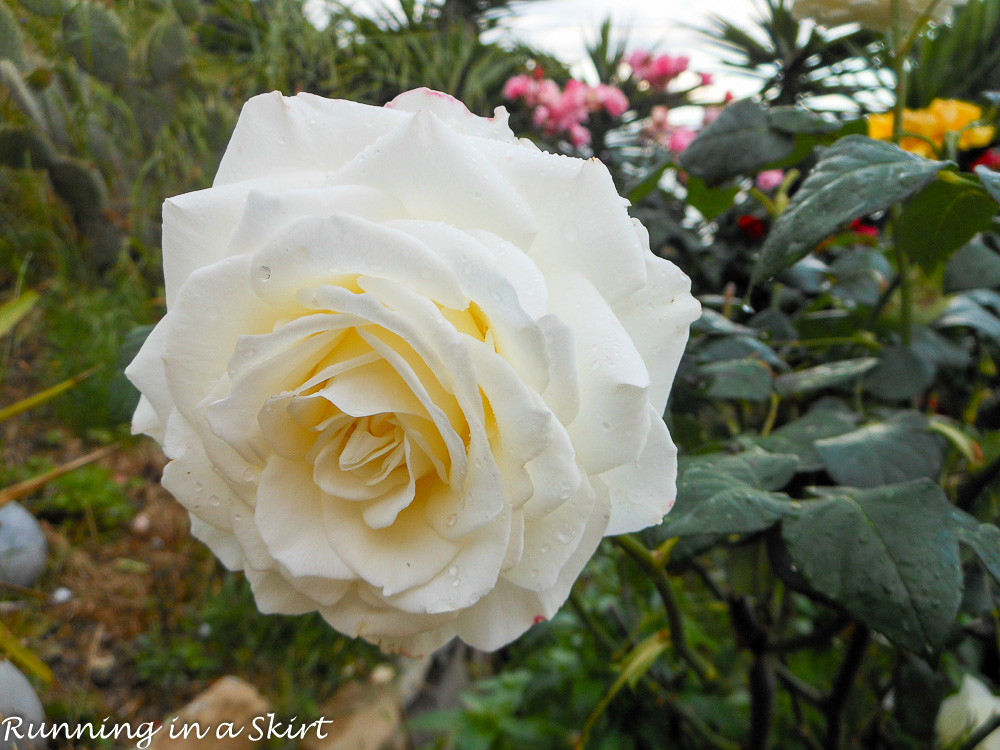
{"points": [[638, 552], [984, 731], [818, 637], [762, 687], [798, 687], [837, 700], [22, 489]]}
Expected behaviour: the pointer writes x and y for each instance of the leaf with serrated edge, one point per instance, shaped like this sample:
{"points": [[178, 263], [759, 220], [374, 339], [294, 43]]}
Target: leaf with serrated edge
{"points": [[889, 556], [854, 177]]}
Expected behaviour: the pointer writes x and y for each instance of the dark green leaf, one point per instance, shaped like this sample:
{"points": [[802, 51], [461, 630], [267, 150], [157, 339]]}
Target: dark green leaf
{"points": [[941, 218], [981, 538], [990, 180], [854, 177], [748, 380], [796, 120], [938, 350], [649, 182], [713, 322], [888, 555], [898, 450], [710, 202], [975, 266], [739, 142], [97, 40], [827, 418], [823, 376], [731, 494], [740, 347], [900, 375], [964, 310], [861, 276]]}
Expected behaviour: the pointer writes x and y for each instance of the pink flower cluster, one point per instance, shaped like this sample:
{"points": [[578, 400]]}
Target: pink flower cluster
{"points": [[660, 70], [565, 110], [676, 138]]}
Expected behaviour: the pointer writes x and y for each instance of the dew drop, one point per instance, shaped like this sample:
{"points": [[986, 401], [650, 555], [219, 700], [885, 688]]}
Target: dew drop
{"points": [[237, 518], [248, 474], [452, 519], [606, 426], [495, 295], [213, 500], [263, 274], [453, 570], [197, 487], [456, 582], [534, 573], [545, 548]]}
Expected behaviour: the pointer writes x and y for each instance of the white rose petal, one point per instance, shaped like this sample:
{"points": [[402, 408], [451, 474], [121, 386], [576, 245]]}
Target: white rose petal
{"points": [[963, 713], [412, 368]]}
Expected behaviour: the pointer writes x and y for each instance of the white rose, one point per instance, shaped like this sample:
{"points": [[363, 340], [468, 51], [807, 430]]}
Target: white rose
{"points": [[412, 369], [872, 14], [967, 710]]}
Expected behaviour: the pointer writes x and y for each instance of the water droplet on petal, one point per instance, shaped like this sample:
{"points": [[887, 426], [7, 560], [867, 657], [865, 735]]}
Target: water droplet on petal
{"points": [[263, 274], [453, 570], [248, 474], [197, 487], [452, 519], [214, 501], [545, 548]]}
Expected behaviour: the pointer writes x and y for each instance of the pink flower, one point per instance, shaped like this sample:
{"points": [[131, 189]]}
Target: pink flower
{"points": [[681, 138], [657, 71], [609, 98], [770, 179], [579, 135], [706, 79], [518, 87]]}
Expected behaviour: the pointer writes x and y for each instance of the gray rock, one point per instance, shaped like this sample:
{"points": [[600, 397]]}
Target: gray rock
{"points": [[17, 699], [23, 549]]}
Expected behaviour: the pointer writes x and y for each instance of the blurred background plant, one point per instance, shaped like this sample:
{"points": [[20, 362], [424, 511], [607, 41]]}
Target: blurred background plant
{"points": [[829, 573]]}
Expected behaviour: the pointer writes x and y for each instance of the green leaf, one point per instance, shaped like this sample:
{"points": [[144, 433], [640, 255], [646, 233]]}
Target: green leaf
{"points": [[990, 180], [747, 379], [710, 202], [975, 266], [938, 350], [941, 218], [823, 376], [827, 418], [11, 312], [648, 184], [48, 8], [899, 450], [796, 120], [981, 538], [166, 49], [900, 375], [964, 310], [740, 347], [97, 40], [854, 177], [713, 322], [24, 148], [11, 38], [739, 142], [721, 495], [861, 276], [889, 556]]}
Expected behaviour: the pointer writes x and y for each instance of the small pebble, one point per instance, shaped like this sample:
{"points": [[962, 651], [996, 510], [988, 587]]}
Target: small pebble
{"points": [[23, 549], [61, 595]]}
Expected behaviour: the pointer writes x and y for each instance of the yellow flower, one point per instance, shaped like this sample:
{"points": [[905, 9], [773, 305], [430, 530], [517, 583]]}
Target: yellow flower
{"points": [[933, 124]]}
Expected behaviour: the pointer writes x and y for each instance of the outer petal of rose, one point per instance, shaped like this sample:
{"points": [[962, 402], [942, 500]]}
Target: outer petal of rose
{"points": [[391, 629], [311, 251], [643, 491], [146, 373], [324, 592], [591, 233], [222, 543], [550, 541], [289, 516], [455, 114], [658, 318], [509, 610], [440, 176], [274, 595], [277, 134], [146, 421], [191, 478], [198, 226], [610, 428]]}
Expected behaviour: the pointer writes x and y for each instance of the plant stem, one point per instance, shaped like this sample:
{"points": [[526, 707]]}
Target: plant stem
{"points": [[982, 733], [591, 622], [846, 675], [638, 552], [762, 688]]}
